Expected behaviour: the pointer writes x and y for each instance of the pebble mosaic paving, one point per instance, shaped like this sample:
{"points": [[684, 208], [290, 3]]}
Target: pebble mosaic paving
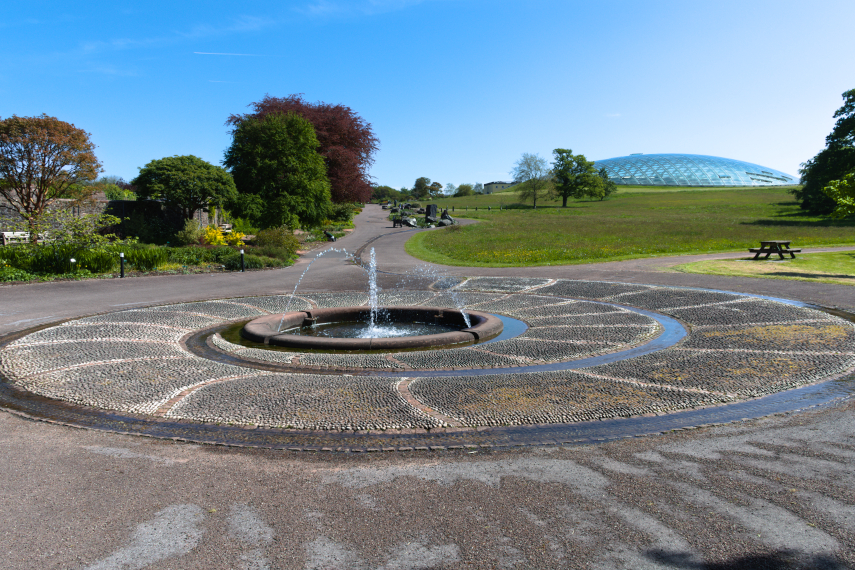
{"points": [[737, 348]]}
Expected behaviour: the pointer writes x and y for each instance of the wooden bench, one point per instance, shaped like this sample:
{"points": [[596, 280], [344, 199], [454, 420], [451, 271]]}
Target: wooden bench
{"points": [[779, 247], [14, 238]]}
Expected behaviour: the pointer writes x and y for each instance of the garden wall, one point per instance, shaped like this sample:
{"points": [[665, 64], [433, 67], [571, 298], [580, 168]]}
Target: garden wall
{"points": [[119, 208]]}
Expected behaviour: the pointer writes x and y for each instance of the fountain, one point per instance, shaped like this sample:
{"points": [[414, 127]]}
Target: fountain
{"points": [[373, 327]]}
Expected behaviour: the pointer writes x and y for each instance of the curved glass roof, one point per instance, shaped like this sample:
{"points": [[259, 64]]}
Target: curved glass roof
{"points": [[691, 170]]}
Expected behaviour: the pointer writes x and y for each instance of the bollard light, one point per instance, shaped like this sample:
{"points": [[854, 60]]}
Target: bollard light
{"points": [[242, 266], [122, 264], [72, 264]]}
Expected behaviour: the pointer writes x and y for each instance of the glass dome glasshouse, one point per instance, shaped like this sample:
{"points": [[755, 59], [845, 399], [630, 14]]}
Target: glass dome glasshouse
{"points": [[691, 170]]}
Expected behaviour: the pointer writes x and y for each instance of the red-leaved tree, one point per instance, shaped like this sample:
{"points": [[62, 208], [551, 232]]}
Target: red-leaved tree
{"points": [[347, 142]]}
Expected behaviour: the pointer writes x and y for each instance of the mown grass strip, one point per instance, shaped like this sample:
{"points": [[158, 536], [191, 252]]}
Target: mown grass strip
{"points": [[836, 267]]}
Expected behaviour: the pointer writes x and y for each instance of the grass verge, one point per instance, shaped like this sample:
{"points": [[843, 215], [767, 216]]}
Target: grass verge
{"points": [[836, 267], [629, 226]]}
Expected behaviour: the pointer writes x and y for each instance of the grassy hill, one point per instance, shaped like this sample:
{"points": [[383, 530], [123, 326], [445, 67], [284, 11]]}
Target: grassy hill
{"points": [[635, 223]]}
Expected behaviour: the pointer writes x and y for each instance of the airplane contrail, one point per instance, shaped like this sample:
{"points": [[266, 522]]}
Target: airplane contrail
{"points": [[212, 53]]}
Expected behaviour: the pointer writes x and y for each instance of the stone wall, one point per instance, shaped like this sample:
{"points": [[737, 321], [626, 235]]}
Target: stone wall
{"points": [[120, 208]]}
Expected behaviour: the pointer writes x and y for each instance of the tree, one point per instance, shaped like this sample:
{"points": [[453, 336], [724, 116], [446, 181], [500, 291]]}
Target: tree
{"points": [[574, 176], [532, 174], [608, 186], [464, 190], [421, 189], [478, 188], [435, 189], [843, 193], [68, 228], [385, 193], [280, 177], [185, 183], [832, 163], [42, 158], [450, 189], [346, 142]]}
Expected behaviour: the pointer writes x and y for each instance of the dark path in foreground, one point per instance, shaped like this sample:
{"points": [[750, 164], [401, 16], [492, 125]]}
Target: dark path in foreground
{"points": [[776, 492]]}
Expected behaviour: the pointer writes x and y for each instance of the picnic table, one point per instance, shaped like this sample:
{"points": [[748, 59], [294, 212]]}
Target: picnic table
{"points": [[779, 247]]}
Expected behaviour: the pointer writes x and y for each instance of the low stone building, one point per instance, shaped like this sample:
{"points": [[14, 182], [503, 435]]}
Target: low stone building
{"points": [[491, 187]]}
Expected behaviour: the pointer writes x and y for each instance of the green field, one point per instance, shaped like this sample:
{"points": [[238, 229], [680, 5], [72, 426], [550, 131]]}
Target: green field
{"points": [[509, 198], [634, 224]]}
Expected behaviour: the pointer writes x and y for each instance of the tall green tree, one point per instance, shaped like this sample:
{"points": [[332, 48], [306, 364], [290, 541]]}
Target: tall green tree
{"points": [[186, 184], [832, 163], [843, 193], [574, 176], [422, 188], [347, 142], [42, 159], [281, 179], [608, 186], [532, 174]]}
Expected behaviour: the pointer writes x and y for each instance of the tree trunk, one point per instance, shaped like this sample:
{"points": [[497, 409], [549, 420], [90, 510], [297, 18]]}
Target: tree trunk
{"points": [[564, 201], [34, 235]]}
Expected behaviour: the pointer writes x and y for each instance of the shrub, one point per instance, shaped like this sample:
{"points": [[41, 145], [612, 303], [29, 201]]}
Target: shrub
{"points": [[16, 256], [243, 226], [232, 262], [234, 238], [52, 258], [341, 212], [280, 237], [9, 273], [191, 233], [212, 235], [147, 259], [96, 260], [185, 255], [274, 252]]}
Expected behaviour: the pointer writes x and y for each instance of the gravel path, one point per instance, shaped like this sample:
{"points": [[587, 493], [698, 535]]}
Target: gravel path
{"points": [[777, 492]]}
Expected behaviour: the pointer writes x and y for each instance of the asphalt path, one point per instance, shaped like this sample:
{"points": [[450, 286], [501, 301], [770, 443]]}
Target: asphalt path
{"points": [[776, 492]]}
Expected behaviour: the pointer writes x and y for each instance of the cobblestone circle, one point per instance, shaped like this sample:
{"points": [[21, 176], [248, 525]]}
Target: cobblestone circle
{"points": [[738, 348]]}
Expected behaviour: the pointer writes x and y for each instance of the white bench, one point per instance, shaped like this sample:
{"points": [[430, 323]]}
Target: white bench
{"points": [[14, 238]]}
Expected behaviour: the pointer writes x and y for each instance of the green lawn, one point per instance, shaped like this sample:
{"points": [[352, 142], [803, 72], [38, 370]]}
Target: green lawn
{"points": [[836, 267], [634, 224]]}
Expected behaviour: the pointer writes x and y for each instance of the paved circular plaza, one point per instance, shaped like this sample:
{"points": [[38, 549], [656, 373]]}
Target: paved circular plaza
{"points": [[593, 351]]}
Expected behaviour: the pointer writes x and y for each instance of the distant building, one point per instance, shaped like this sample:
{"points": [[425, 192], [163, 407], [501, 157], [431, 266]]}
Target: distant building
{"points": [[491, 187], [691, 170]]}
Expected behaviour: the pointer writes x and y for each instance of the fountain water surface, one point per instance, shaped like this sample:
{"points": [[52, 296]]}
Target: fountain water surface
{"points": [[374, 327]]}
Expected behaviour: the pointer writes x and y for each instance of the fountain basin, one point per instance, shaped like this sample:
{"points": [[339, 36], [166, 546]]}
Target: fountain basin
{"points": [[268, 329]]}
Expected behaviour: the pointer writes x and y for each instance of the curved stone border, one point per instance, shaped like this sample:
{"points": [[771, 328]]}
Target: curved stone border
{"points": [[739, 349], [654, 332], [267, 329]]}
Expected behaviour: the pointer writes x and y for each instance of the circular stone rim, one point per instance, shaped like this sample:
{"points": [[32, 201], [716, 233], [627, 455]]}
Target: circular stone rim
{"points": [[267, 329]]}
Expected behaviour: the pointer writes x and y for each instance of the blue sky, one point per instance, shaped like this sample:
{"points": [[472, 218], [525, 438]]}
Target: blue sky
{"points": [[456, 90]]}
